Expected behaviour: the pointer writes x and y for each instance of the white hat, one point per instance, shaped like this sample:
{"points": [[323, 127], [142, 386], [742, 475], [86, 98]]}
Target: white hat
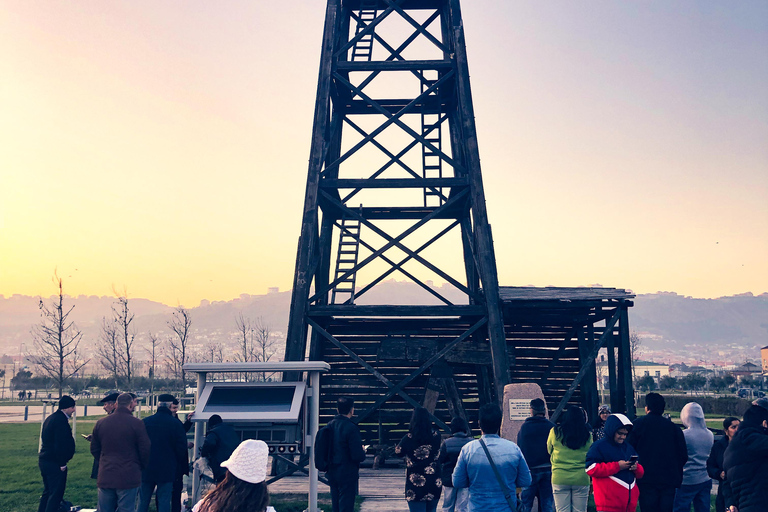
{"points": [[249, 461]]}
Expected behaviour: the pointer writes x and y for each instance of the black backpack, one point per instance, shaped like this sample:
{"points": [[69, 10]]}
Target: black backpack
{"points": [[324, 447]]}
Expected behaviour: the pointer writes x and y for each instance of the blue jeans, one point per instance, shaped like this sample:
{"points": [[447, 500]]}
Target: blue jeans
{"points": [[697, 494], [117, 500], [541, 486], [455, 499], [164, 492], [423, 506]]}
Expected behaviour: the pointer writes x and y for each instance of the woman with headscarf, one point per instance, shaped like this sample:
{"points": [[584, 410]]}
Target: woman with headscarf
{"points": [[567, 445], [598, 427], [715, 467], [420, 447], [613, 469], [244, 487]]}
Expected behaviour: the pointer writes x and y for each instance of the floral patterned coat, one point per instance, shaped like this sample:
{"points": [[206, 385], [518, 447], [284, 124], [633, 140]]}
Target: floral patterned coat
{"points": [[422, 482]]}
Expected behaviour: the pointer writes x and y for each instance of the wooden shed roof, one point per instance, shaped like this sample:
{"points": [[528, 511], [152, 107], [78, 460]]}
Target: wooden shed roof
{"points": [[561, 294]]}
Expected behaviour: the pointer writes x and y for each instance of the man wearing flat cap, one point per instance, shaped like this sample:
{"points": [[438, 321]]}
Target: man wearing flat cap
{"points": [[58, 447], [120, 441], [109, 402], [167, 455]]}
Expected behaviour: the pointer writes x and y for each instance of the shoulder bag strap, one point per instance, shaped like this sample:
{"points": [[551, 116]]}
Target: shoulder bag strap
{"points": [[504, 488]]}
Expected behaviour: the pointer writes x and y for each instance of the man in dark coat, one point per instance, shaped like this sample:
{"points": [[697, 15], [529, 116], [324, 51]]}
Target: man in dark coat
{"points": [[715, 468], [220, 441], [663, 453], [178, 483], [746, 463], [121, 443], [532, 440], [453, 499], [58, 447], [109, 403], [168, 453], [347, 454]]}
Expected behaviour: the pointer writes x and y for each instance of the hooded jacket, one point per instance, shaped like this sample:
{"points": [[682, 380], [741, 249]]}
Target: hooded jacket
{"points": [[699, 441], [615, 489], [219, 444], [746, 467]]}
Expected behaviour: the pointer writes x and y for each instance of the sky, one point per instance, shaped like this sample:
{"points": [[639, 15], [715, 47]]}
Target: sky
{"points": [[161, 147]]}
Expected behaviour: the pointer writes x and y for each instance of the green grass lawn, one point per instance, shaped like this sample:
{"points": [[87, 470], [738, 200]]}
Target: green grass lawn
{"points": [[21, 483]]}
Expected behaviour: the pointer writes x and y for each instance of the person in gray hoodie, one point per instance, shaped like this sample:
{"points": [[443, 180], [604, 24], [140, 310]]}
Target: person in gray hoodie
{"points": [[697, 484]]}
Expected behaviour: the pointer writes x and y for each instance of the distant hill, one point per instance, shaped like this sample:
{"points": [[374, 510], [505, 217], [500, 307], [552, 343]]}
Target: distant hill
{"points": [[670, 318]]}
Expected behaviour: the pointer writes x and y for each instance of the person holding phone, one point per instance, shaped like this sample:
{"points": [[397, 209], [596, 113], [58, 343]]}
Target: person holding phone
{"points": [[613, 465]]}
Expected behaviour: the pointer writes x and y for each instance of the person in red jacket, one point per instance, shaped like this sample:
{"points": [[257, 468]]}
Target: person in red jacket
{"points": [[612, 464]]}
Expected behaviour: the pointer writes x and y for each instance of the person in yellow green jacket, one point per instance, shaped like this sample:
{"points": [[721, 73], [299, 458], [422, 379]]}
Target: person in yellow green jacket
{"points": [[567, 445]]}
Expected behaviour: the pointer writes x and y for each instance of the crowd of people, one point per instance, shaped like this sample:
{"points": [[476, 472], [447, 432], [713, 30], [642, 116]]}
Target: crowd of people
{"points": [[651, 461], [133, 459]]}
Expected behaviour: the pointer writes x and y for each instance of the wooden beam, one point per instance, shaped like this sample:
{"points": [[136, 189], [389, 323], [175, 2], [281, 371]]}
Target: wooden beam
{"points": [[296, 338], [432, 360], [626, 362], [585, 366], [556, 357], [393, 183]]}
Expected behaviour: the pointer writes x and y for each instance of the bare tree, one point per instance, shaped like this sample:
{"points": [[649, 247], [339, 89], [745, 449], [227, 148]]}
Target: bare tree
{"points": [[152, 351], [180, 323], [215, 352], [244, 338], [108, 349], [122, 317], [634, 349], [263, 343], [56, 338]]}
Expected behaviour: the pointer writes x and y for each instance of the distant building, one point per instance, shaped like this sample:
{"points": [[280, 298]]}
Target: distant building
{"points": [[749, 370], [649, 368], [273, 289], [764, 358]]}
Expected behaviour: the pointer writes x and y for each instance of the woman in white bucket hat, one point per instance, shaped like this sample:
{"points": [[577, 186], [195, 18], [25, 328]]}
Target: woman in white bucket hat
{"points": [[244, 488]]}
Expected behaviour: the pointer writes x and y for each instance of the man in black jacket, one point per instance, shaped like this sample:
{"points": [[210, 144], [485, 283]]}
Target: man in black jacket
{"points": [[663, 453], [715, 468], [532, 440], [746, 463], [58, 447], [220, 441], [344, 471], [454, 499], [168, 453]]}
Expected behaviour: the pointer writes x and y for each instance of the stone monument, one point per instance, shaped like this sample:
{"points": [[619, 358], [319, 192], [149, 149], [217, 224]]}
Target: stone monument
{"points": [[517, 407]]}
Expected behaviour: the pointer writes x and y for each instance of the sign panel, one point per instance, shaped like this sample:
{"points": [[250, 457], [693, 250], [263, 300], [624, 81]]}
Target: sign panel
{"points": [[519, 409]]}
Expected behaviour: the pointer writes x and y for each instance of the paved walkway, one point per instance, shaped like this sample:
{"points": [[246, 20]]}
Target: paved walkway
{"points": [[383, 489]]}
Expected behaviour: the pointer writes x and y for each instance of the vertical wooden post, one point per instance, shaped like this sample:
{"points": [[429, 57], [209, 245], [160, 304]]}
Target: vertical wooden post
{"points": [[296, 339], [614, 395], [626, 363]]}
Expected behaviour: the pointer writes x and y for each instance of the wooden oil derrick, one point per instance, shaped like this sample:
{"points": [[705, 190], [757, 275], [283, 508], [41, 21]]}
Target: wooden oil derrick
{"points": [[394, 189]]}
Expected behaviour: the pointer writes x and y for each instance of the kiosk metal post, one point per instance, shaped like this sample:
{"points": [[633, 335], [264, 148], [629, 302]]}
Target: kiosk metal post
{"points": [[263, 410]]}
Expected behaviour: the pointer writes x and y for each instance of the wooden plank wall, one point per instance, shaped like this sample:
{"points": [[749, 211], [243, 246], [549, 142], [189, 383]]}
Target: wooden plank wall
{"points": [[545, 341]]}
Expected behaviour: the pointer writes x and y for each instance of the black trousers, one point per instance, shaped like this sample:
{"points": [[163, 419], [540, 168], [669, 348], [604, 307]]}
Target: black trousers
{"points": [[343, 491], [54, 484], [656, 498]]}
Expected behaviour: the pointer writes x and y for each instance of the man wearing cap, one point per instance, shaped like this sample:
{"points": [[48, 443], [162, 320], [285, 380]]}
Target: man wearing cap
{"points": [[220, 441], [532, 440], [121, 443], [58, 447], [168, 453], [109, 403]]}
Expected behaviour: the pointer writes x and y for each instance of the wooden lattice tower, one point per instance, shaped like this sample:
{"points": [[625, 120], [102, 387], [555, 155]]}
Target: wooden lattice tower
{"points": [[394, 188], [394, 174]]}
